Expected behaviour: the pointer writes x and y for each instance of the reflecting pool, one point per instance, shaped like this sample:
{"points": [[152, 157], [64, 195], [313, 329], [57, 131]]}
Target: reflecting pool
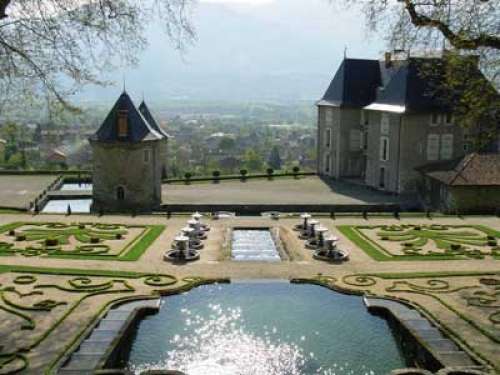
{"points": [[60, 206], [253, 245], [76, 187], [267, 328]]}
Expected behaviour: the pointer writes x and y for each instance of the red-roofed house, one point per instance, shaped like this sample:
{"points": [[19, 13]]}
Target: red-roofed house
{"points": [[468, 184]]}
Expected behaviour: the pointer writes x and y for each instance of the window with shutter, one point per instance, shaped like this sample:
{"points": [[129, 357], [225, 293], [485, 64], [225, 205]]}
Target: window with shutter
{"points": [[432, 147], [122, 124], [328, 138], [446, 147], [355, 140], [384, 148]]}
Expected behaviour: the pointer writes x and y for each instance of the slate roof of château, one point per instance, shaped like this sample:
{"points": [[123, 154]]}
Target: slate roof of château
{"points": [[471, 170], [146, 113], [354, 84], [139, 129], [409, 85]]}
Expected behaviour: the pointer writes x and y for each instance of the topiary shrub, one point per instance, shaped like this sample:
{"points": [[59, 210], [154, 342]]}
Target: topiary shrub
{"points": [[118, 236], [492, 243], [455, 246], [94, 240], [21, 237], [12, 232], [81, 226], [51, 241], [384, 238], [296, 171], [243, 173]]}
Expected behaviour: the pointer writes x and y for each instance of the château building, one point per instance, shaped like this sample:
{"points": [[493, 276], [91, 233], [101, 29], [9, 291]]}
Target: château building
{"points": [[379, 120], [129, 159]]}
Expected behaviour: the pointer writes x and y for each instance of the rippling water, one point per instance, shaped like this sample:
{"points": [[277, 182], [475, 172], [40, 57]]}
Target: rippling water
{"points": [[253, 245], [264, 328]]}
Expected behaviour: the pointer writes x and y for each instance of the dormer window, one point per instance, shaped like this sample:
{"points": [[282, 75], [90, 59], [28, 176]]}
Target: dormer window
{"points": [[122, 124]]}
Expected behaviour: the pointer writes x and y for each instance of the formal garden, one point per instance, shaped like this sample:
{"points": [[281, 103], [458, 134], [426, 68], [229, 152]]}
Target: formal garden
{"points": [[425, 242], [46, 311], [464, 305], [77, 240]]}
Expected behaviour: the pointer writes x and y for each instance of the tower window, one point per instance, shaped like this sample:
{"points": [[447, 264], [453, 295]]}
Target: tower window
{"points": [[147, 156], [120, 193], [122, 124]]}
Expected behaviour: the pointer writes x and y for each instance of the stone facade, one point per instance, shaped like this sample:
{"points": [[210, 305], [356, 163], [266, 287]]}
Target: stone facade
{"points": [[350, 145], [135, 168]]}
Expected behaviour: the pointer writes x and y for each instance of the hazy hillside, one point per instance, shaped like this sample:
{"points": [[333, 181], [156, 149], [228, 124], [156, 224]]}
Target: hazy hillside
{"points": [[283, 50]]}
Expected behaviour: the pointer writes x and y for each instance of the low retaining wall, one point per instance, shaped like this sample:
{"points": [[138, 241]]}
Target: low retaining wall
{"points": [[257, 209]]}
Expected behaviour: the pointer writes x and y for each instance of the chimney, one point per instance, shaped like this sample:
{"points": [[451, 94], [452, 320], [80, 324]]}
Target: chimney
{"points": [[388, 59]]}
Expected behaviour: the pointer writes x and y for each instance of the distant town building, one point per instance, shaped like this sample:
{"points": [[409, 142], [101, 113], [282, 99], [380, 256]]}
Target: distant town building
{"points": [[129, 153], [467, 184], [56, 157], [378, 122]]}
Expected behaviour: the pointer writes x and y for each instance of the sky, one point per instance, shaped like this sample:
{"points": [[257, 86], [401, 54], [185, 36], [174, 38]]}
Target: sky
{"points": [[257, 50]]}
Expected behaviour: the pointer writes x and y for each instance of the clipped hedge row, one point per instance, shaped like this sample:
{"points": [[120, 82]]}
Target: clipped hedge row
{"points": [[238, 177]]}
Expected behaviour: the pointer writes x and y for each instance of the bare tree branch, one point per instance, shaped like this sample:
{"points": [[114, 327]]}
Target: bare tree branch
{"points": [[460, 40]]}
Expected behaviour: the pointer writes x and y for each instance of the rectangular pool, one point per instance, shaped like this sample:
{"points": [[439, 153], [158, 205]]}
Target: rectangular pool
{"points": [[60, 206], [76, 187], [254, 245]]}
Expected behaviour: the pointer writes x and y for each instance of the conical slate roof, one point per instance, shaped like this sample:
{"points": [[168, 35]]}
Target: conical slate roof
{"points": [[139, 129], [146, 113]]}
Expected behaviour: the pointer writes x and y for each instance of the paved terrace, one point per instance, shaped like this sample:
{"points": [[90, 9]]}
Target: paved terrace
{"points": [[305, 190], [443, 289], [19, 191]]}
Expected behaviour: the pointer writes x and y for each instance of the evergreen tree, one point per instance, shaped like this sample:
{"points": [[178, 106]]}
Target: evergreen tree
{"points": [[274, 160]]}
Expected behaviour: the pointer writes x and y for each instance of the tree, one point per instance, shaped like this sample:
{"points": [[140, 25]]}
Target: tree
{"points": [[227, 144], [253, 160], [467, 31], [274, 160], [51, 48]]}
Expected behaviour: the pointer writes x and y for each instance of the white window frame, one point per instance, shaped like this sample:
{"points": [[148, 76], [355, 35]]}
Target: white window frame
{"points": [[328, 138], [447, 145], [432, 154], [355, 140], [384, 148], [329, 116], [448, 119], [385, 124], [328, 162], [365, 118], [438, 119]]}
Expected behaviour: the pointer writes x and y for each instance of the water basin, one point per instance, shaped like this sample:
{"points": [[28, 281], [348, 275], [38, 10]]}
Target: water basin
{"points": [[60, 206], [272, 328]]}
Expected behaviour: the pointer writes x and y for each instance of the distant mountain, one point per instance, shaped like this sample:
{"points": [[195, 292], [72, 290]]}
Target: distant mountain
{"points": [[283, 50]]}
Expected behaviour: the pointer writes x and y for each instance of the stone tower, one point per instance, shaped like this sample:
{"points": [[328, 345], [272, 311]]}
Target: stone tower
{"points": [[129, 153], [146, 113]]}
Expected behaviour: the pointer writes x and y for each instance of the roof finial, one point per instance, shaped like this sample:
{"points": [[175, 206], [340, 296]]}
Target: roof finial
{"points": [[143, 96], [345, 52], [124, 84]]}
